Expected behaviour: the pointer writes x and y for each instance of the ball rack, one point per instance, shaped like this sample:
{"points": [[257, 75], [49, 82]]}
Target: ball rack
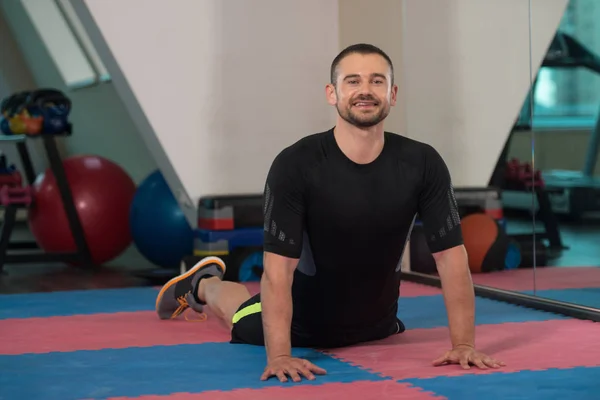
{"points": [[13, 252]]}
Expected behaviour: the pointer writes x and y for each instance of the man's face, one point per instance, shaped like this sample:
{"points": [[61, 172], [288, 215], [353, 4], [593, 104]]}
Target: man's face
{"points": [[364, 92]]}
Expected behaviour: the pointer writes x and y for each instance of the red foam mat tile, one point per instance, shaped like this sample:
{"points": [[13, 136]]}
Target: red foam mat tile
{"points": [[363, 390], [522, 346], [99, 331]]}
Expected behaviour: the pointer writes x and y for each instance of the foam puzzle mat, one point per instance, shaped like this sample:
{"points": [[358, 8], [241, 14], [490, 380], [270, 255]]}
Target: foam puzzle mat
{"points": [[109, 344]]}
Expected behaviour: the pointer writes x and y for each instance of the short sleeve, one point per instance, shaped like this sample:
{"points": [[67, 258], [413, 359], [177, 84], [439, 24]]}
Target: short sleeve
{"points": [[284, 207], [437, 207]]}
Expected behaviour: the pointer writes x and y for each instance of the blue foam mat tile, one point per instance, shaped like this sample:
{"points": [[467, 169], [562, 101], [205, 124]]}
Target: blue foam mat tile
{"points": [[415, 312], [580, 383], [430, 312], [77, 302], [159, 370], [589, 297]]}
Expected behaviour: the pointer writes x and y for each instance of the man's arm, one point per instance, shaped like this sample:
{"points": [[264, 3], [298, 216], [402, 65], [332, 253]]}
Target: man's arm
{"points": [[283, 236], [439, 212], [457, 286], [276, 298]]}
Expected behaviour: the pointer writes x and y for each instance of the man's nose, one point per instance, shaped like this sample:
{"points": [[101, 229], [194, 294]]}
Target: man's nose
{"points": [[365, 88]]}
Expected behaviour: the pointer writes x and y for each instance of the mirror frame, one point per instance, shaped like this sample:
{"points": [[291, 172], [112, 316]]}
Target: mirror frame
{"points": [[512, 297]]}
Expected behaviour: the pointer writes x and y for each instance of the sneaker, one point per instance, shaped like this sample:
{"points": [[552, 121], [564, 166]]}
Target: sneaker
{"points": [[177, 295]]}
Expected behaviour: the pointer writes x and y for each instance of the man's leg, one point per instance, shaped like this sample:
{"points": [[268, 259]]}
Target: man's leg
{"points": [[224, 298], [199, 286]]}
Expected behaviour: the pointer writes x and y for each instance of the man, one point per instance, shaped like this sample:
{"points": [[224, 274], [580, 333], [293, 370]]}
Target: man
{"points": [[338, 209]]}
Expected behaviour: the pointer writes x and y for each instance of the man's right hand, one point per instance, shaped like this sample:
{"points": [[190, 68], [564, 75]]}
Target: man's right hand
{"points": [[284, 366]]}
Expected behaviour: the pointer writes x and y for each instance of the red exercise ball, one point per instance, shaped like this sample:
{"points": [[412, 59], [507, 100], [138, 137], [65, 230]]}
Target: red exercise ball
{"points": [[102, 193], [485, 242]]}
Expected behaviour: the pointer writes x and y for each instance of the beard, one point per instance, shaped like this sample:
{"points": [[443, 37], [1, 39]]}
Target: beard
{"points": [[360, 119]]}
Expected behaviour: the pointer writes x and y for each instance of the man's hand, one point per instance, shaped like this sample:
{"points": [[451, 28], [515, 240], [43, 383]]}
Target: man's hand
{"points": [[284, 366], [467, 356]]}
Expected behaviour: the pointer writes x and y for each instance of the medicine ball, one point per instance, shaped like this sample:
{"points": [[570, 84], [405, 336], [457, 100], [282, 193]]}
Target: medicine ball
{"points": [[486, 243]]}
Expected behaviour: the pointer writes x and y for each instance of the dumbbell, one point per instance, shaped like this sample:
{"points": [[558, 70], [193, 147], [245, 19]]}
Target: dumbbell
{"points": [[512, 169], [525, 172], [11, 178], [538, 179], [15, 195]]}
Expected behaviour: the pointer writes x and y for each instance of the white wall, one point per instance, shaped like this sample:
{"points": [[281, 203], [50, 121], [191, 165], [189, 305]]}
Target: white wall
{"points": [[379, 23], [219, 93], [466, 75], [218, 88], [101, 124], [15, 76]]}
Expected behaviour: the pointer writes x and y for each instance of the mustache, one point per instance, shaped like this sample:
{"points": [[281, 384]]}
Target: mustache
{"points": [[365, 98]]}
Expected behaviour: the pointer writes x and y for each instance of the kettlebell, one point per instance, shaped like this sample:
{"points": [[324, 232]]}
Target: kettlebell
{"points": [[53, 107], [35, 112], [4, 126], [13, 110]]}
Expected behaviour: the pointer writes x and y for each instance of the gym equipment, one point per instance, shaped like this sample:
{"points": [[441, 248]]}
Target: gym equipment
{"points": [[519, 179], [160, 230], [485, 201], [230, 227], [15, 195], [486, 243], [10, 177], [43, 111], [218, 243], [251, 265], [569, 193], [102, 193], [513, 256], [29, 251], [230, 212], [237, 247], [244, 264]]}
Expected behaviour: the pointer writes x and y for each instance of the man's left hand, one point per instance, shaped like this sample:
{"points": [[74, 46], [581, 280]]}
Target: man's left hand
{"points": [[467, 356]]}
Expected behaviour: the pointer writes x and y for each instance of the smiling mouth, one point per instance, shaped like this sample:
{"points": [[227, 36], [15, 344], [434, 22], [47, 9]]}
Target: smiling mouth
{"points": [[364, 104]]}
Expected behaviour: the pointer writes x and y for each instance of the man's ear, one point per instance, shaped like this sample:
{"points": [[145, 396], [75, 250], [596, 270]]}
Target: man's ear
{"points": [[331, 94], [394, 95]]}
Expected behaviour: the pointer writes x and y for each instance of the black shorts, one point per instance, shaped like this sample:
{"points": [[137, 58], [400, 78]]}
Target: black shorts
{"points": [[248, 329]]}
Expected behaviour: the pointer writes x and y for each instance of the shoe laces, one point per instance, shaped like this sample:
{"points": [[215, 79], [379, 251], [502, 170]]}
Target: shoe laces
{"points": [[185, 307]]}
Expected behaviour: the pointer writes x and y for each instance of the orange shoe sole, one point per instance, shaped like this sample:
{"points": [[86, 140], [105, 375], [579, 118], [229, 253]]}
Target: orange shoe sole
{"points": [[204, 262]]}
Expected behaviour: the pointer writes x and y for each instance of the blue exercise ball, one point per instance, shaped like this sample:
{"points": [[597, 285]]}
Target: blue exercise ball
{"points": [[159, 228]]}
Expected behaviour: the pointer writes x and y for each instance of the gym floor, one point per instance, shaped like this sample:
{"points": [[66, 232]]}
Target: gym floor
{"points": [[581, 237], [28, 278], [117, 348], [571, 275], [109, 344]]}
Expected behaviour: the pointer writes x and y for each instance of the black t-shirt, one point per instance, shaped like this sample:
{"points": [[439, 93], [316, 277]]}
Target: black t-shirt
{"points": [[348, 224]]}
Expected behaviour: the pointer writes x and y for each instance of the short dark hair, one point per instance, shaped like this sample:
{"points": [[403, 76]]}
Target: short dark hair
{"points": [[359, 48]]}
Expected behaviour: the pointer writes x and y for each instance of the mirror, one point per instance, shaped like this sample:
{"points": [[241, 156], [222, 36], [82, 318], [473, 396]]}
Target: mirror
{"points": [[484, 73], [566, 127]]}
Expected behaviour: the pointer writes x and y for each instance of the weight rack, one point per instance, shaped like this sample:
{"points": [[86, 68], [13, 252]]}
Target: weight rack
{"points": [[82, 255]]}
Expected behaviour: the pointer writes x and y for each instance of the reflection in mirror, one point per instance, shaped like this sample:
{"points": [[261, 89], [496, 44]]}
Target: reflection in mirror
{"points": [[482, 81], [566, 98], [503, 239]]}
